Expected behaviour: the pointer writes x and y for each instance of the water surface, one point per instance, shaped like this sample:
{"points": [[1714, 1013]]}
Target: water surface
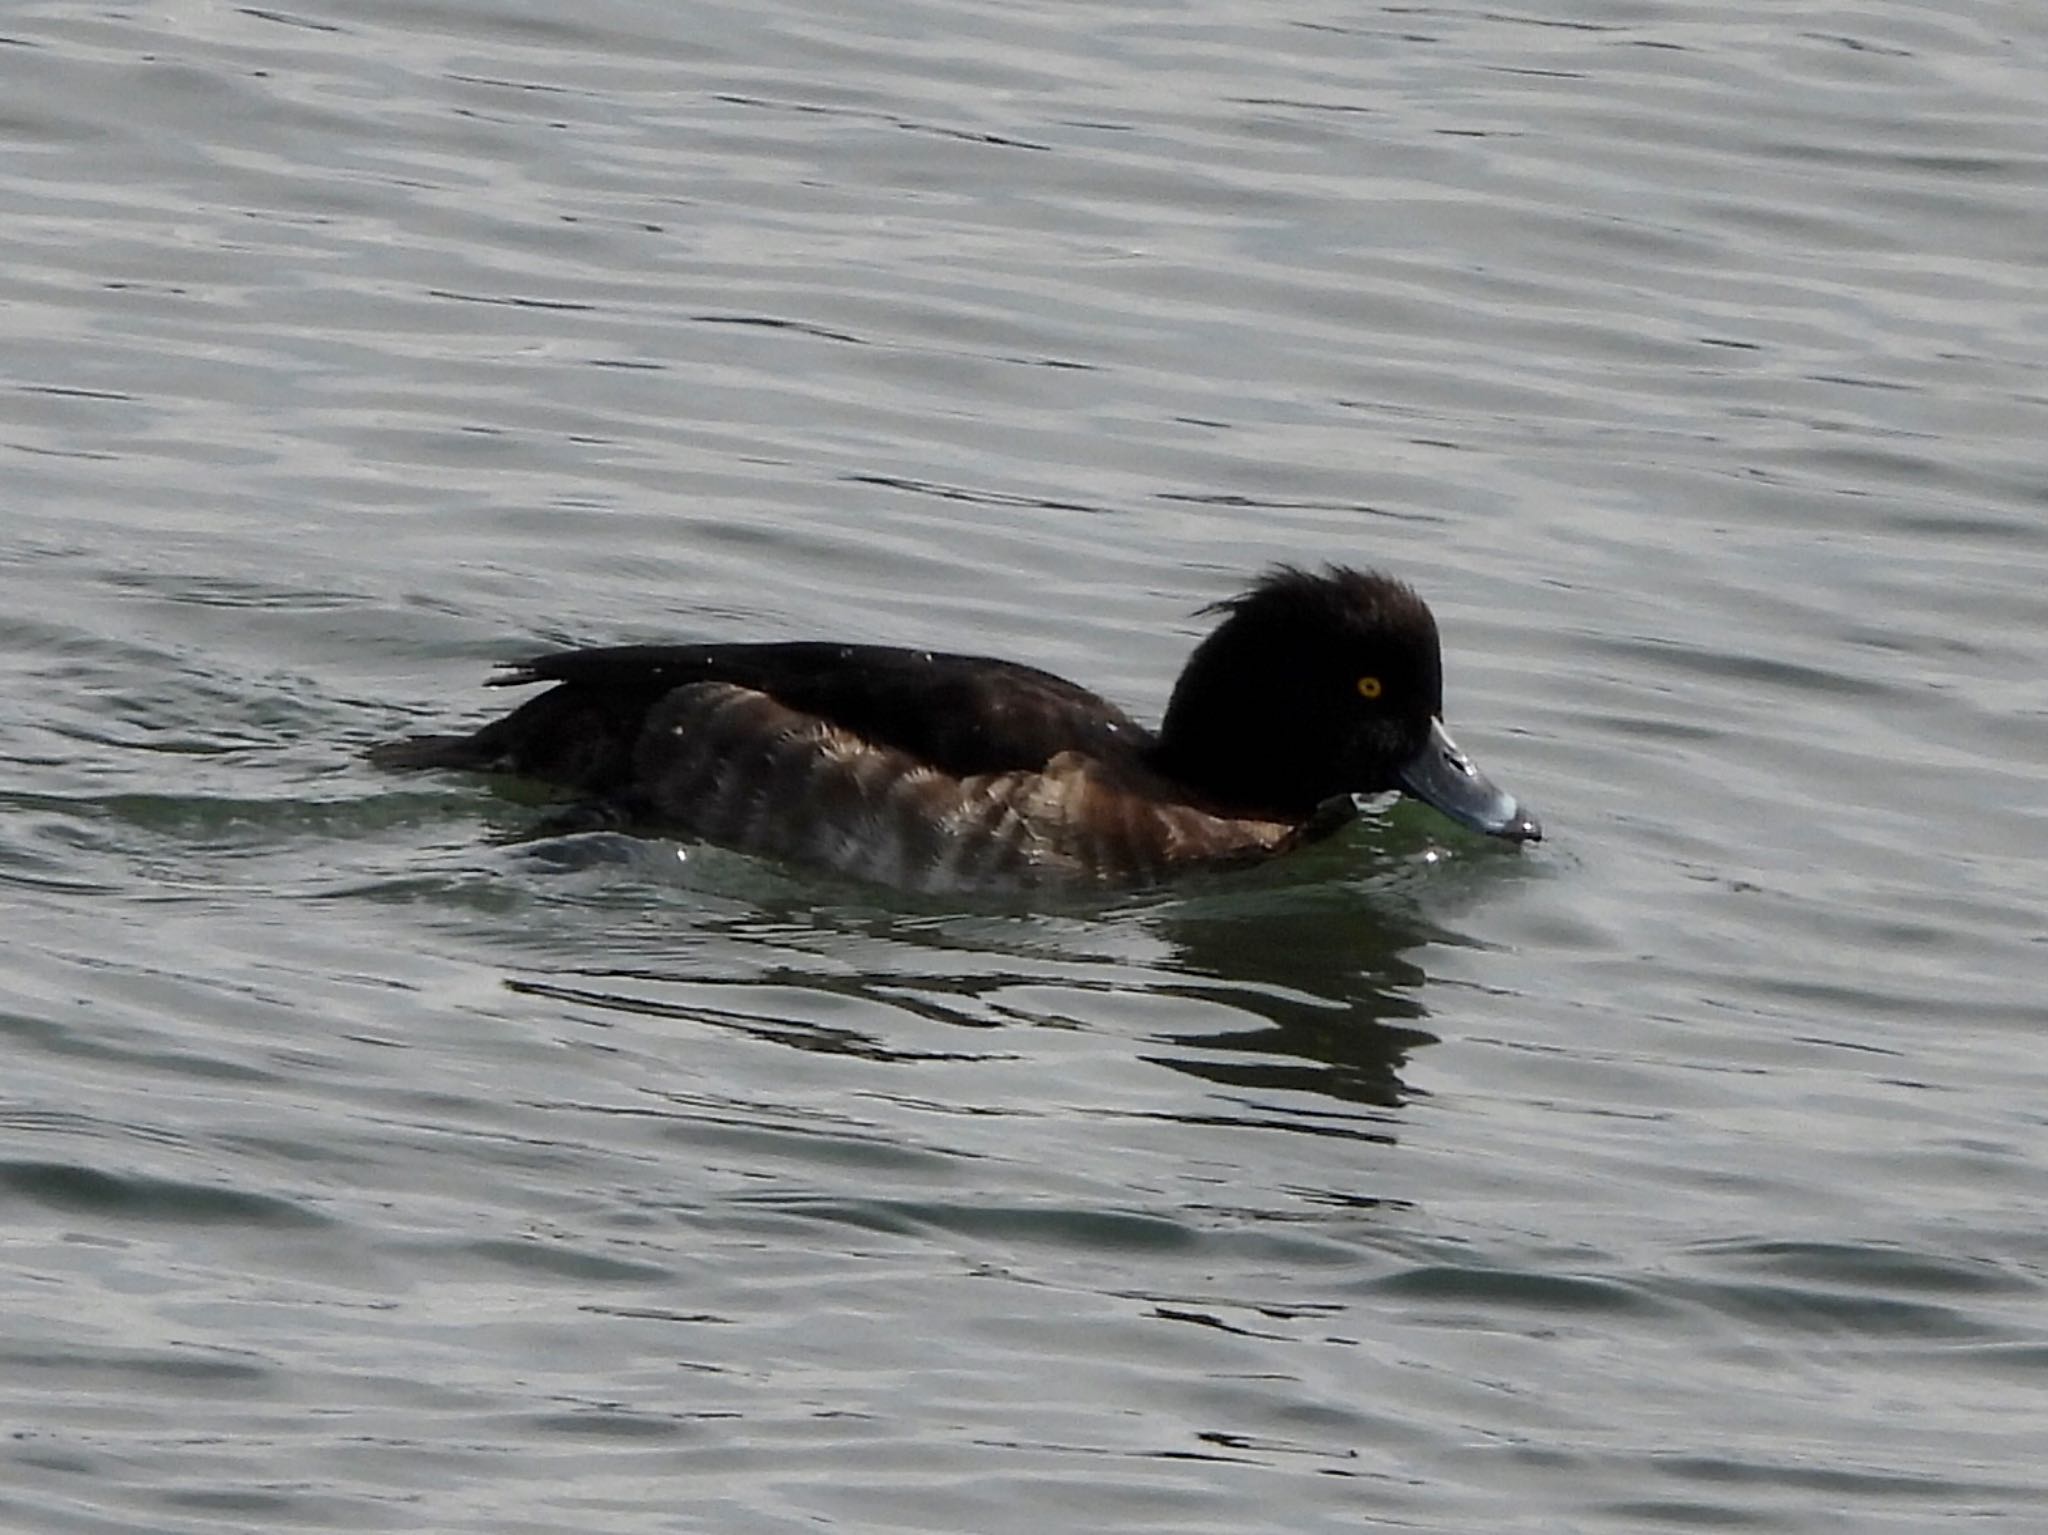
{"points": [[360, 1172]]}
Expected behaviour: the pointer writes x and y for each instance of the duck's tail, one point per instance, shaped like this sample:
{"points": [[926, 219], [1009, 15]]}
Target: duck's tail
{"points": [[433, 752], [575, 735]]}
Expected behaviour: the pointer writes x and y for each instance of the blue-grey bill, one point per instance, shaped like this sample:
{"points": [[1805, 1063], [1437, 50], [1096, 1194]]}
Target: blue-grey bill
{"points": [[1443, 776]]}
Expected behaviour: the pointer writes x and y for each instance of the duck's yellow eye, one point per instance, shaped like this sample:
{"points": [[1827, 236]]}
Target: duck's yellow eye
{"points": [[1368, 687]]}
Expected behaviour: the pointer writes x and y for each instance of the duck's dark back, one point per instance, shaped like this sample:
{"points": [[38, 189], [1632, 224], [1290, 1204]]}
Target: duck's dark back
{"points": [[961, 714]]}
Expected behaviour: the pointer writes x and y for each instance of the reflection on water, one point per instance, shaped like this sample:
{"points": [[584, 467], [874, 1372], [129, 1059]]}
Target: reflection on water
{"points": [[1292, 990], [1332, 1004]]}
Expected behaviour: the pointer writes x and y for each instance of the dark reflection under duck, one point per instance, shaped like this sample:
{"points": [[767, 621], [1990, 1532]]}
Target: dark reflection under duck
{"points": [[1297, 1004], [934, 771]]}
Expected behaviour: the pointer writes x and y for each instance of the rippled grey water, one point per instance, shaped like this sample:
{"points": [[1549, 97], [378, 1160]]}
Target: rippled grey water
{"points": [[1690, 1170]]}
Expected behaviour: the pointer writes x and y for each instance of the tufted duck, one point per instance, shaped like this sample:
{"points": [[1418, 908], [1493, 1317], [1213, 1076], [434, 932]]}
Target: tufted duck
{"points": [[936, 772]]}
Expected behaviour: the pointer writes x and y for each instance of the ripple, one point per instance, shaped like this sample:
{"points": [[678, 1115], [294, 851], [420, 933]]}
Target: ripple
{"points": [[93, 1191]]}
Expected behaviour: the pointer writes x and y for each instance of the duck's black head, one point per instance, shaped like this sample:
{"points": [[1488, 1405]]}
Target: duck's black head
{"points": [[1318, 685]]}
